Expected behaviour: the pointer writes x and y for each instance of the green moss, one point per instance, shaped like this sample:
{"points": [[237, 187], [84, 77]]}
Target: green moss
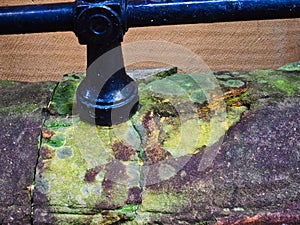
{"points": [[58, 123], [66, 174], [242, 99], [57, 140], [286, 86], [164, 202], [234, 115], [7, 83], [81, 149], [64, 98], [166, 87], [224, 77], [194, 134], [291, 67], [186, 139], [24, 99], [19, 109], [181, 84], [274, 82], [128, 210], [56, 143], [185, 81], [74, 76], [79, 219], [131, 208], [199, 96], [166, 73], [233, 83], [65, 152]]}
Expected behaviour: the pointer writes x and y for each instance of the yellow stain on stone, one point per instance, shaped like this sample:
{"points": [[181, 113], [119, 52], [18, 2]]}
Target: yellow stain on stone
{"points": [[87, 147]]}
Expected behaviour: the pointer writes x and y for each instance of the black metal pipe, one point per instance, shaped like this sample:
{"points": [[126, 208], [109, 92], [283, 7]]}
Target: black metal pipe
{"points": [[36, 18], [60, 16], [107, 95], [168, 12]]}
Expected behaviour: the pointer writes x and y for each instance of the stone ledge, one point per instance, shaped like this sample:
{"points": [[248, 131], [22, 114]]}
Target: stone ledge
{"points": [[245, 173]]}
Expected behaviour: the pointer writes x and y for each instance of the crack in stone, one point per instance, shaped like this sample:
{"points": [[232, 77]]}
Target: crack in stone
{"points": [[141, 171], [38, 157]]}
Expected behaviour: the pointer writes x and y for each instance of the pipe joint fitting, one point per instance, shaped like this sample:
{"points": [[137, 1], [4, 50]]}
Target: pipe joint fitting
{"points": [[98, 22]]}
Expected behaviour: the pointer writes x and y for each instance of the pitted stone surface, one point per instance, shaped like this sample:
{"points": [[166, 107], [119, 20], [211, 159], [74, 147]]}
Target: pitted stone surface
{"points": [[21, 122], [256, 170], [229, 159], [174, 161]]}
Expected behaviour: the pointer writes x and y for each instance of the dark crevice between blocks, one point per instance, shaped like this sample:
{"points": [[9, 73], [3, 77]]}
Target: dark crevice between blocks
{"points": [[140, 157], [45, 114]]}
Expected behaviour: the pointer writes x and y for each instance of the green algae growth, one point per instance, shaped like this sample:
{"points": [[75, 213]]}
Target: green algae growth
{"points": [[93, 169]]}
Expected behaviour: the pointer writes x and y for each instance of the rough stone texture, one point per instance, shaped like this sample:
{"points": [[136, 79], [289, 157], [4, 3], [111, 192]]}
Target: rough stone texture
{"points": [[256, 171], [219, 148], [216, 148], [21, 121]]}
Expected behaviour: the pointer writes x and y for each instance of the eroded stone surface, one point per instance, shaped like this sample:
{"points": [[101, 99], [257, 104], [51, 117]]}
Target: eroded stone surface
{"points": [[256, 170], [174, 161], [21, 122], [157, 168]]}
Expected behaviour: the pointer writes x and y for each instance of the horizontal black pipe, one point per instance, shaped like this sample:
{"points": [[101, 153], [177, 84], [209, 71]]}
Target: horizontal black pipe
{"points": [[36, 18], [170, 12], [138, 13]]}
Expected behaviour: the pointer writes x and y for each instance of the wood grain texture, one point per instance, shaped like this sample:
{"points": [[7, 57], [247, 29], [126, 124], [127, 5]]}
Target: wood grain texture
{"points": [[223, 46]]}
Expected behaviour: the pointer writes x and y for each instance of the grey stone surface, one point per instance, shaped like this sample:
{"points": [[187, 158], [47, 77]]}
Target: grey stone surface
{"points": [[145, 74]]}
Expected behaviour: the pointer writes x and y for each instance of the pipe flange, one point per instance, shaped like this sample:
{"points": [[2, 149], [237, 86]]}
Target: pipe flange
{"points": [[99, 25]]}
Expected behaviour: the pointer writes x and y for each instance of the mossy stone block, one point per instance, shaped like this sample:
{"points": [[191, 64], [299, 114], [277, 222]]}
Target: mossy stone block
{"points": [[21, 120], [186, 156]]}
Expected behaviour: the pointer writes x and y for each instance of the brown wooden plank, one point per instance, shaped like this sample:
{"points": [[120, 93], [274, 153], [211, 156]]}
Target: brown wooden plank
{"points": [[233, 46], [223, 46]]}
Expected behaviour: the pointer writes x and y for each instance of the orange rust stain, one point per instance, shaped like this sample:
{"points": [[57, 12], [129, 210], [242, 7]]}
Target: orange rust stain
{"points": [[264, 219], [234, 92], [47, 134]]}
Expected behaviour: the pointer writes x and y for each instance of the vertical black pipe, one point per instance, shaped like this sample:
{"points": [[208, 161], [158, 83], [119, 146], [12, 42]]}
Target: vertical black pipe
{"points": [[107, 95]]}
